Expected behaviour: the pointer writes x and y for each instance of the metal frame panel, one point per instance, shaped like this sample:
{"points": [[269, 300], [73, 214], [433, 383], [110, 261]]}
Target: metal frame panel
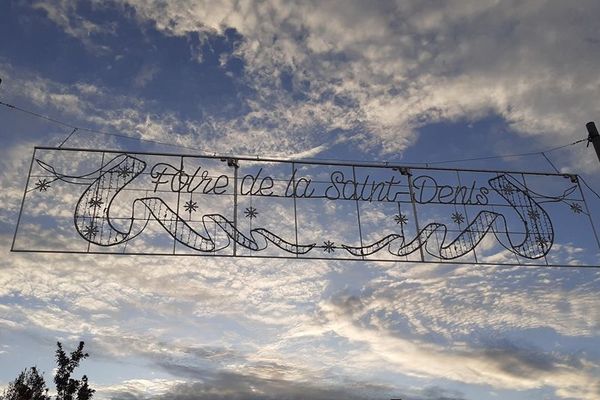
{"points": [[133, 203]]}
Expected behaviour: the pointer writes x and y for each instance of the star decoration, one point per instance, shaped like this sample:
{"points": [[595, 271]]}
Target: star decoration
{"points": [[541, 241], [95, 202], [190, 206], [90, 231], [251, 212], [400, 219], [329, 246], [42, 185], [533, 214], [508, 190], [458, 218], [124, 171], [576, 208]]}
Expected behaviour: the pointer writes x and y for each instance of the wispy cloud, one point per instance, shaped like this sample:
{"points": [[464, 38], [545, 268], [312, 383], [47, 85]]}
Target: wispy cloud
{"points": [[64, 13], [380, 73], [391, 69]]}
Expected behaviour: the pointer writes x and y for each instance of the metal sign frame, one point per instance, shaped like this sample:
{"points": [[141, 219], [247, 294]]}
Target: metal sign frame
{"points": [[126, 193]]}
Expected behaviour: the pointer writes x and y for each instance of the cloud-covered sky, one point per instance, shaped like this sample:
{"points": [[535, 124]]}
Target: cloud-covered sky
{"points": [[406, 81]]}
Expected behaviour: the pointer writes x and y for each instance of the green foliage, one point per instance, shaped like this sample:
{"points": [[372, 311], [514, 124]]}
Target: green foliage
{"points": [[30, 385]]}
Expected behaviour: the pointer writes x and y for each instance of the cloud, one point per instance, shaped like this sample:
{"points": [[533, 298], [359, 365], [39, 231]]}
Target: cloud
{"points": [[498, 365], [145, 75], [64, 13], [134, 389], [12, 180], [100, 108], [238, 386], [378, 74], [259, 320], [391, 69]]}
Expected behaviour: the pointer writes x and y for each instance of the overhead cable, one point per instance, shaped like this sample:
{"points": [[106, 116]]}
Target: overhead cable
{"points": [[120, 135]]}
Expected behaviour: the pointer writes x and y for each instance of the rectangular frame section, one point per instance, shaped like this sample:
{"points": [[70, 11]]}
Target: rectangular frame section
{"points": [[114, 202]]}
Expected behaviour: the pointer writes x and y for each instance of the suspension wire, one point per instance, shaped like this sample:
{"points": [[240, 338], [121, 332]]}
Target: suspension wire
{"points": [[79, 128], [578, 176], [550, 162], [37, 115], [588, 186], [532, 153], [68, 137], [123, 136]]}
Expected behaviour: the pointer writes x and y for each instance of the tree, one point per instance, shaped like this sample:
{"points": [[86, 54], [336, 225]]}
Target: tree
{"points": [[29, 385], [66, 387]]}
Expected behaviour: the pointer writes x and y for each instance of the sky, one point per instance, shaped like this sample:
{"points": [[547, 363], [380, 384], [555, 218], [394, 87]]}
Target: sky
{"points": [[402, 82]]}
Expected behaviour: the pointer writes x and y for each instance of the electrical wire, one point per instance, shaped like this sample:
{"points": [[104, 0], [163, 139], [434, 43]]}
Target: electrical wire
{"points": [[550, 162], [123, 136], [119, 135], [532, 153], [588, 186], [68, 137]]}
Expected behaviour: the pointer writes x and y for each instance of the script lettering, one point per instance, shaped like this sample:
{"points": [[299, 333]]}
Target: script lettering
{"points": [[427, 190], [179, 180], [302, 188], [259, 186]]}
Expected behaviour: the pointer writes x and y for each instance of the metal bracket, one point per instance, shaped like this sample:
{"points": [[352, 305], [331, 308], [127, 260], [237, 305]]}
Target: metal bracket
{"points": [[403, 171], [231, 162]]}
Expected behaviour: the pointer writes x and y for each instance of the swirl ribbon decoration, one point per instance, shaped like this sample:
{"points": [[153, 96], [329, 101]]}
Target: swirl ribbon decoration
{"points": [[536, 243], [115, 176]]}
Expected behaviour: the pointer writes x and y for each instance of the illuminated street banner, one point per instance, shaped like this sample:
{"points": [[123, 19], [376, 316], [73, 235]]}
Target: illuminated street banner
{"points": [[96, 201]]}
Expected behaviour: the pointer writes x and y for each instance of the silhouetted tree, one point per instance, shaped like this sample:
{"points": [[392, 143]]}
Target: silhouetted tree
{"points": [[29, 385], [84, 392], [66, 387]]}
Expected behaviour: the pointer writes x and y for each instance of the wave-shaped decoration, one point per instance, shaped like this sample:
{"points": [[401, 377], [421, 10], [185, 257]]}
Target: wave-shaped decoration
{"points": [[98, 228], [537, 241]]}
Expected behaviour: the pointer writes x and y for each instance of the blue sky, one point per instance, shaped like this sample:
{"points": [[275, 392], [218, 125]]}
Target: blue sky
{"points": [[389, 81]]}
